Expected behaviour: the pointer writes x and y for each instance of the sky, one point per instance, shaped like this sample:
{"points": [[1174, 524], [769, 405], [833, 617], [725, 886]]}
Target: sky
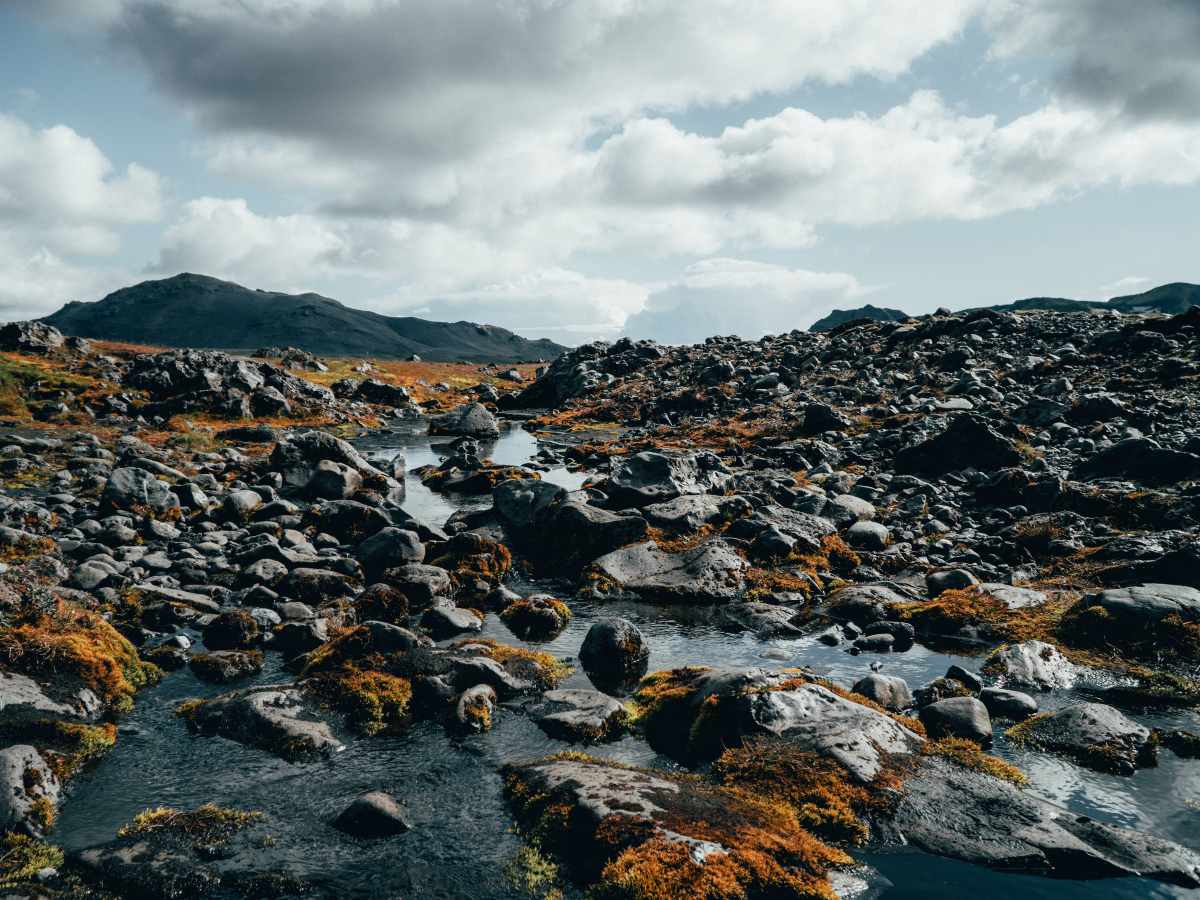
{"points": [[588, 169]]}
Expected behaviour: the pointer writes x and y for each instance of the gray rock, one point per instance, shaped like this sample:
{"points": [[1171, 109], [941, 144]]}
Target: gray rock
{"points": [[579, 716], [443, 621], [1003, 703], [1033, 664], [471, 419], [388, 548], [136, 490], [709, 573], [868, 536], [766, 620], [651, 477], [273, 718], [889, 691], [614, 652], [1093, 734], [26, 782], [964, 717], [373, 815], [333, 481]]}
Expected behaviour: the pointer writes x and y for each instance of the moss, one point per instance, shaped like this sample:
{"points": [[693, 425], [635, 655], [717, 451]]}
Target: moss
{"points": [[756, 848], [825, 801], [80, 644], [542, 668], [967, 753], [536, 618], [477, 713], [534, 874], [373, 702], [43, 813], [207, 824], [67, 747], [22, 857], [1087, 625], [469, 558]]}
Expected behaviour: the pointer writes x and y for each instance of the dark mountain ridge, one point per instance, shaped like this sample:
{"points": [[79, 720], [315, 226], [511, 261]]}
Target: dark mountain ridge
{"points": [[1172, 299], [189, 310]]}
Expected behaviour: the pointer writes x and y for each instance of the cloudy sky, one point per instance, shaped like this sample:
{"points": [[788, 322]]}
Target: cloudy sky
{"points": [[577, 169]]}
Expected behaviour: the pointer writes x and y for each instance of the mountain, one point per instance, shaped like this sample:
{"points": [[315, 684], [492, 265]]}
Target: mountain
{"points": [[841, 316], [198, 311], [1171, 299]]}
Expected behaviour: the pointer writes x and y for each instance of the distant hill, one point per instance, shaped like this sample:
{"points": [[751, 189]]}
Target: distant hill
{"points": [[841, 316], [1171, 299], [198, 311]]}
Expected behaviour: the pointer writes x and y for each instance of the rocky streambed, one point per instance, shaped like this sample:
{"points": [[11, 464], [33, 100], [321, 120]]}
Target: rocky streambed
{"points": [[751, 619]]}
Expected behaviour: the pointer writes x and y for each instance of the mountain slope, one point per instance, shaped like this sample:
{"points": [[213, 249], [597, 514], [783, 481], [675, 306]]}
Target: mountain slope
{"points": [[840, 316], [198, 311]]}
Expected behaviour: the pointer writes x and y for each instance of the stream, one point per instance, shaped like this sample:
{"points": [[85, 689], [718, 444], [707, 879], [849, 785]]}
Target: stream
{"points": [[462, 837]]}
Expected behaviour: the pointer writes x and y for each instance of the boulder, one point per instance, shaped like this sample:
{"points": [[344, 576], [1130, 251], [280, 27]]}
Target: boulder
{"points": [[968, 442], [274, 718], [964, 717], [373, 815], [579, 716], [614, 652], [709, 573], [471, 419], [1093, 734], [137, 491], [1032, 664], [29, 791], [650, 477]]}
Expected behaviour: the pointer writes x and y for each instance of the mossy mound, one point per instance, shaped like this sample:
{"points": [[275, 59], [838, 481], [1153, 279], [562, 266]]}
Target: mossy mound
{"points": [[373, 702], [22, 857], [536, 666], [645, 835], [67, 747], [78, 645], [536, 618]]}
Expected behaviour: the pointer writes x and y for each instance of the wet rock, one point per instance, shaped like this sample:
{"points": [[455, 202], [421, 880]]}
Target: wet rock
{"points": [[964, 717], [889, 691], [476, 709], [953, 811], [472, 419], [232, 631], [709, 573], [614, 652], [1032, 664], [578, 716], [1093, 734], [224, 666], [22, 700], [298, 456], [537, 617], [373, 815], [29, 791], [443, 621], [766, 620], [1145, 604], [736, 704], [1003, 703], [519, 503], [693, 511], [273, 718], [390, 548]]}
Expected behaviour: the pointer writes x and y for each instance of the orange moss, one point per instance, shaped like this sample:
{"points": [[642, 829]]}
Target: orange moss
{"points": [[373, 702], [967, 754], [542, 668], [81, 644]]}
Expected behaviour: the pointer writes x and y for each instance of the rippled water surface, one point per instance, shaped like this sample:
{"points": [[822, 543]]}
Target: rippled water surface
{"points": [[461, 840]]}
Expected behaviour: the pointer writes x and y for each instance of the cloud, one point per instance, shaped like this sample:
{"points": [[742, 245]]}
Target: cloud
{"points": [[1140, 59], [559, 304], [1130, 284], [742, 297], [57, 180], [61, 199]]}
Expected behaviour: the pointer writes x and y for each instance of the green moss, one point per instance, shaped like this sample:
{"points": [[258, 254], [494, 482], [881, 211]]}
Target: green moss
{"points": [[373, 702], [67, 747], [542, 668], [22, 857], [207, 824]]}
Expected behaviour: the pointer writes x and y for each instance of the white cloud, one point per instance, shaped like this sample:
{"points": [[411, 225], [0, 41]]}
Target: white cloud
{"points": [[56, 179], [1130, 284], [60, 199], [742, 297]]}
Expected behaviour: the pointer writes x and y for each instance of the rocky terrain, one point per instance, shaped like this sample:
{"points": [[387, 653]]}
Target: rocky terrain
{"points": [[198, 311], [666, 648], [1172, 299]]}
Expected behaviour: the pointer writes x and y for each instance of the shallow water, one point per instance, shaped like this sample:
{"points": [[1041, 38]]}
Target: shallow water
{"points": [[461, 840]]}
